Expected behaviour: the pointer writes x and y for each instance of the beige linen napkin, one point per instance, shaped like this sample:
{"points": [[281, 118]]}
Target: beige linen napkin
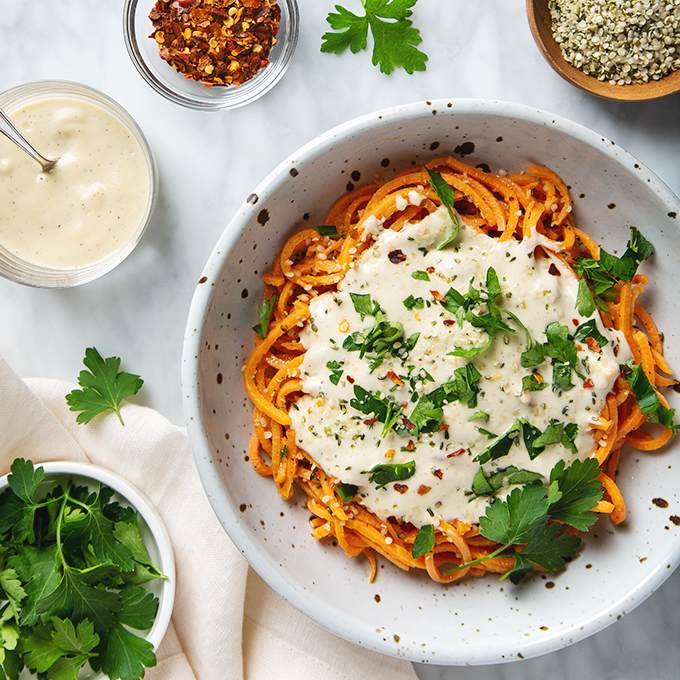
{"points": [[227, 624]]}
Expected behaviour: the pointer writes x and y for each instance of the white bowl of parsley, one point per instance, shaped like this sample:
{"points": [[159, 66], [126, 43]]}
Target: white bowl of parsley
{"points": [[87, 574]]}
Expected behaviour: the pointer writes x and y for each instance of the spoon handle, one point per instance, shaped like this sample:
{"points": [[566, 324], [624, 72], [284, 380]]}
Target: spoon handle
{"points": [[9, 130]]}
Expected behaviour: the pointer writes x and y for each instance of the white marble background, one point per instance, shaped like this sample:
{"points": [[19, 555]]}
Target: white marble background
{"points": [[210, 161]]}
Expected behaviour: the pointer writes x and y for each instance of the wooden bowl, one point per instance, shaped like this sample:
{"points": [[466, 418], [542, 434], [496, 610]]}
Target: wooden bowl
{"points": [[538, 13]]}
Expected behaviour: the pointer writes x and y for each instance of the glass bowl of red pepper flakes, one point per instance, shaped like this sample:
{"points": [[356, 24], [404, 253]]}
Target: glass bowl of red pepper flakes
{"points": [[211, 54]]}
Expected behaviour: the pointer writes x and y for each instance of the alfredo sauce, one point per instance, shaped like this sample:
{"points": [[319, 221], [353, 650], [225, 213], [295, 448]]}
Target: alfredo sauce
{"points": [[409, 277], [93, 200]]}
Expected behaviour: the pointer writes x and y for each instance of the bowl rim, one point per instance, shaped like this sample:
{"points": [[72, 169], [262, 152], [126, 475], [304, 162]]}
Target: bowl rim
{"points": [[235, 96], [193, 343], [40, 276], [150, 516]]}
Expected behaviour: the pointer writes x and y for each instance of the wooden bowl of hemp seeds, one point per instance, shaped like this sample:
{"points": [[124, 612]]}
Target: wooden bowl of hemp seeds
{"points": [[624, 50]]}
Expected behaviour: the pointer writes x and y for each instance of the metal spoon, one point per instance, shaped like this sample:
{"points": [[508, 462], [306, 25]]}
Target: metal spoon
{"points": [[10, 131]]}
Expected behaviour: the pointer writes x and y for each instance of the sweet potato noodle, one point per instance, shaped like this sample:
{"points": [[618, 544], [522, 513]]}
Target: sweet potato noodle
{"points": [[512, 206]]}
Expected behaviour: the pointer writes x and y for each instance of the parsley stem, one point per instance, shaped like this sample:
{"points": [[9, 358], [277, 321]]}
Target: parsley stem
{"points": [[453, 570]]}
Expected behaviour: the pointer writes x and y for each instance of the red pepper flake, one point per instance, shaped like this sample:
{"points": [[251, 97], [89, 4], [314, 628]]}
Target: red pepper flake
{"points": [[394, 378], [443, 427], [593, 344], [422, 490], [449, 322], [430, 270], [408, 424], [411, 445], [216, 42], [349, 379], [396, 256], [438, 473], [401, 488], [370, 421], [458, 452], [437, 296], [588, 383], [552, 269]]}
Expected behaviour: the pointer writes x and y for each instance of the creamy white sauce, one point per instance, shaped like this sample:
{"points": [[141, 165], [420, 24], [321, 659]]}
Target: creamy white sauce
{"points": [[336, 435], [90, 204]]}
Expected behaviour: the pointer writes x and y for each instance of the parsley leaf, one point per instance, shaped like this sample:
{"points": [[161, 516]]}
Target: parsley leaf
{"points": [[347, 492], [264, 311], [424, 541], [648, 398], [488, 485], [446, 194], [385, 473], [394, 36], [104, 388], [414, 303], [329, 230]]}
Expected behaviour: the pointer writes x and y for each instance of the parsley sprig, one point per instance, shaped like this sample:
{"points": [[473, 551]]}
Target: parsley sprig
{"points": [[394, 36], [104, 387], [72, 569], [532, 519]]}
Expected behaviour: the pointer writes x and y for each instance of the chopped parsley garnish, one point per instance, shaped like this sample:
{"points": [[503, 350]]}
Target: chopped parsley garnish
{"points": [[264, 310], [488, 485], [414, 303], [534, 440], [336, 371], [427, 415], [346, 492], [464, 306], [538, 519], [604, 273], [531, 383], [446, 194], [382, 338], [561, 349], [385, 473], [386, 411], [648, 398], [329, 230], [589, 329], [420, 275], [424, 541]]}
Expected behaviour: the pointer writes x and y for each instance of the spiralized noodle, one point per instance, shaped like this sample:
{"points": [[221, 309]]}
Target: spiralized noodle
{"points": [[505, 207]]}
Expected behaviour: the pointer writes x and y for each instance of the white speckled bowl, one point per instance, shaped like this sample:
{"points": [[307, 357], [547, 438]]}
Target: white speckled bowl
{"points": [[151, 528], [405, 614]]}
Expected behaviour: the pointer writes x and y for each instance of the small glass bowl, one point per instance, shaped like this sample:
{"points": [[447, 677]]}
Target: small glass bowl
{"points": [[28, 273], [163, 78]]}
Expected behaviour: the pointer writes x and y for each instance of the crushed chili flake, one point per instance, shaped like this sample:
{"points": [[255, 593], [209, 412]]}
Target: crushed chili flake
{"points": [[593, 344], [216, 42], [394, 378], [401, 488]]}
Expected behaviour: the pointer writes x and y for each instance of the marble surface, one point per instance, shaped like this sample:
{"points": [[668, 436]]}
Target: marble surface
{"points": [[209, 162]]}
